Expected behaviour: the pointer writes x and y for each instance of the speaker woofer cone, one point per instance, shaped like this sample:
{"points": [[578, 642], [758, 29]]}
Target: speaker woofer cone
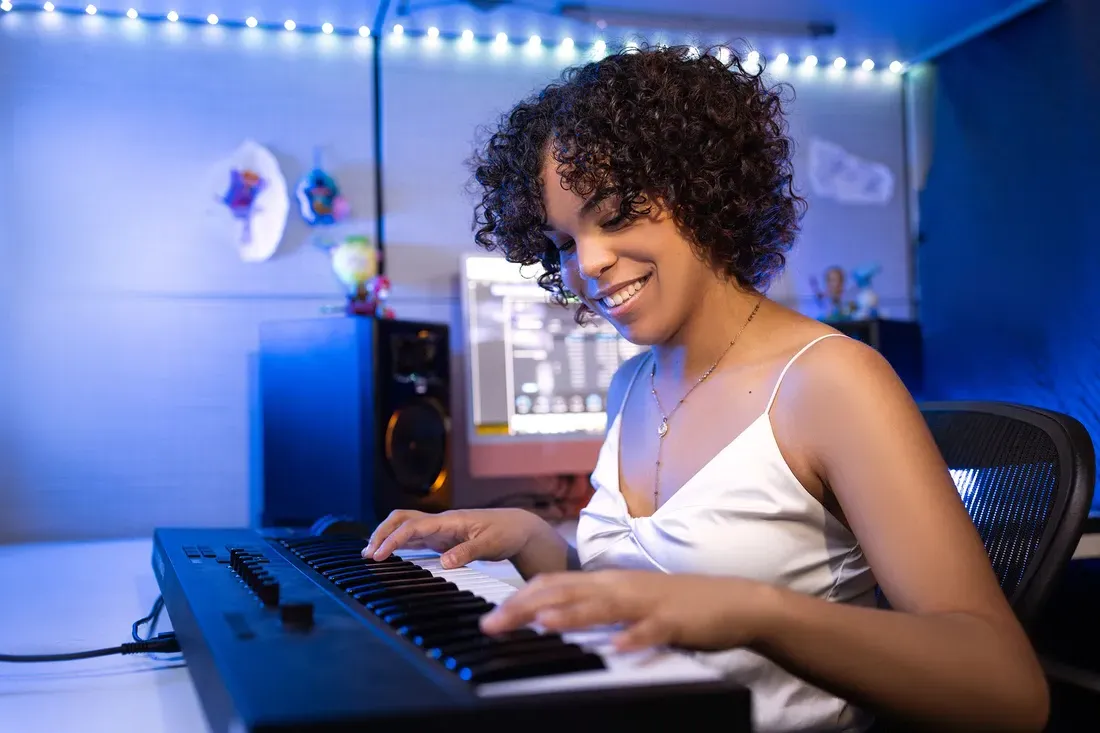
{"points": [[418, 447]]}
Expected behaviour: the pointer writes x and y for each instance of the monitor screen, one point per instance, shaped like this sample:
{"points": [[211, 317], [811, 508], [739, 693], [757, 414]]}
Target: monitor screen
{"points": [[536, 380]]}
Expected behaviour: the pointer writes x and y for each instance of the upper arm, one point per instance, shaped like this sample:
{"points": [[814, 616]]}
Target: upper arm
{"points": [[616, 391], [869, 443]]}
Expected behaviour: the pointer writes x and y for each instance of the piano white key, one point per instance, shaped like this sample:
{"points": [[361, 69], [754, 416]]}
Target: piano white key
{"points": [[647, 667]]}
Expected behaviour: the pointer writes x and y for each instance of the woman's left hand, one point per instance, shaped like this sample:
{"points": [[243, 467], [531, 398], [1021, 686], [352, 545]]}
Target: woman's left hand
{"points": [[655, 609]]}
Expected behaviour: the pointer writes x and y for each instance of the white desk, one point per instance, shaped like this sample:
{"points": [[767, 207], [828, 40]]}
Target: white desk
{"points": [[70, 597]]}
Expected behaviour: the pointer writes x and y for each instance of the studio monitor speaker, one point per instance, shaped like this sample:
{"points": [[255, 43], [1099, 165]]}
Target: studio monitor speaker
{"points": [[355, 416]]}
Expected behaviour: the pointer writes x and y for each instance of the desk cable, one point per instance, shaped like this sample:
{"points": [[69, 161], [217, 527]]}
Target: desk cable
{"points": [[161, 643]]}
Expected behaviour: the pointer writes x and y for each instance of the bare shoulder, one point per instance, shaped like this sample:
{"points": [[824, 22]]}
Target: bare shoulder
{"points": [[840, 393], [868, 442], [616, 391]]}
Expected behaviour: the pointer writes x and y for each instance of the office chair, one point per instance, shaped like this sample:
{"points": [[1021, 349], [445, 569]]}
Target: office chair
{"points": [[1026, 478]]}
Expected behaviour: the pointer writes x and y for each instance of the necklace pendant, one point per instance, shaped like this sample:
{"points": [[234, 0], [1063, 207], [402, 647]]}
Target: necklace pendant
{"points": [[662, 429]]}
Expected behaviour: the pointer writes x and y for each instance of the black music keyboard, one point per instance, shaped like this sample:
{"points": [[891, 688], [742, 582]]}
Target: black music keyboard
{"points": [[285, 632]]}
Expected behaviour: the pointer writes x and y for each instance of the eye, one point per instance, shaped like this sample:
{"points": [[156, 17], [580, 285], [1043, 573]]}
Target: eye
{"points": [[615, 223]]}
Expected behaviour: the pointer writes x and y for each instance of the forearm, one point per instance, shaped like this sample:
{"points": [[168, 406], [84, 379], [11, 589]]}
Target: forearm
{"points": [[949, 671], [545, 552]]}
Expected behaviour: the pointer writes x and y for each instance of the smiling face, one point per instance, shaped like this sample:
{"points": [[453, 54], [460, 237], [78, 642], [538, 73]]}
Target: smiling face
{"points": [[642, 275]]}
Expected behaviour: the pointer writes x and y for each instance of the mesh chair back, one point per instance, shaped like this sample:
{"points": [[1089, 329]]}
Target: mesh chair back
{"points": [[1026, 478]]}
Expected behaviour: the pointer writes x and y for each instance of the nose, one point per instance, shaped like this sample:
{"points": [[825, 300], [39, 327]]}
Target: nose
{"points": [[594, 257]]}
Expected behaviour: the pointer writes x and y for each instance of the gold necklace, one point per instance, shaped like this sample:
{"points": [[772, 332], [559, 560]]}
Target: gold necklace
{"points": [[663, 428]]}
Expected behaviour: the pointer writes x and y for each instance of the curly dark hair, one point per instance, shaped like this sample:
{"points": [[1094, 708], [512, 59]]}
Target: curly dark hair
{"points": [[700, 134]]}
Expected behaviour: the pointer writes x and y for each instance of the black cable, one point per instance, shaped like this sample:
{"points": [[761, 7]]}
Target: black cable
{"points": [[151, 619], [162, 643]]}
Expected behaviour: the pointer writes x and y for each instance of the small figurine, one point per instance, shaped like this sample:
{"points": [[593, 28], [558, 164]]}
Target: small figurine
{"points": [[240, 197], [371, 301], [834, 307], [319, 199], [866, 297]]}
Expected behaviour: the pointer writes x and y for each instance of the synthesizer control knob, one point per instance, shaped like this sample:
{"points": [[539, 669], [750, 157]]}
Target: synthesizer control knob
{"points": [[297, 615], [268, 592]]}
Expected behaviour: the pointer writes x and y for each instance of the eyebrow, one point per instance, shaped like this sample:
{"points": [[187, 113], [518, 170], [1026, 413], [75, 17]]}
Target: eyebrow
{"points": [[586, 208]]}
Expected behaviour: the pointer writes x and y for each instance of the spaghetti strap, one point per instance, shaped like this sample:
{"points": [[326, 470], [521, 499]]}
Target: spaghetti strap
{"points": [[633, 378], [775, 390]]}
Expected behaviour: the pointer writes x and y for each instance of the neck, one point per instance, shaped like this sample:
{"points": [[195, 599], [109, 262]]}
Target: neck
{"points": [[719, 315]]}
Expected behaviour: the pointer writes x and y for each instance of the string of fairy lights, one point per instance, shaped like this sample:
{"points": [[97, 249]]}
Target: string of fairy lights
{"points": [[466, 38]]}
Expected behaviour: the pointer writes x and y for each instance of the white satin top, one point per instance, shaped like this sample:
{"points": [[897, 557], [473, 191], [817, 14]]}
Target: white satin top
{"points": [[743, 514]]}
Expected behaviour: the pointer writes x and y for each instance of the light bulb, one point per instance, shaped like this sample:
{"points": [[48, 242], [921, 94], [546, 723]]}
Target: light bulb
{"points": [[535, 41], [567, 43], [132, 14], [811, 61], [868, 64], [91, 10], [782, 59], [290, 25], [502, 38], [599, 46], [48, 7], [896, 67], [251, 22], [468, 35], [839, 62], [364, 31], [212, 19], [433, 32], [398, 29], [5, 6], [172, 16]]}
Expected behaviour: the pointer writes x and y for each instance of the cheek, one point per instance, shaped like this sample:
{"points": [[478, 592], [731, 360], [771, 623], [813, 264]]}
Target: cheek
{"points": [[570, 276]]}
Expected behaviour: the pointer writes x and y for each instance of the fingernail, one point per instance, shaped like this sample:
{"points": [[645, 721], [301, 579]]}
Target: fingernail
{"points": [[447, 562]]}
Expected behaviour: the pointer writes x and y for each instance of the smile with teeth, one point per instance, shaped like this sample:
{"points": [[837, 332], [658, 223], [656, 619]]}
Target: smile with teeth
{"points": [[624, 295]]}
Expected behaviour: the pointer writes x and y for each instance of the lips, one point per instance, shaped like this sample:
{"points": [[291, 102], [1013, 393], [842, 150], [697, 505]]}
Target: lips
{"points": [[623, 295]]}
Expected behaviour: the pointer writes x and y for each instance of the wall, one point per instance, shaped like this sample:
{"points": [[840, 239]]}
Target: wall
{"points": [[134, 313], [1011, 231], [134, 317], [7, 453]]}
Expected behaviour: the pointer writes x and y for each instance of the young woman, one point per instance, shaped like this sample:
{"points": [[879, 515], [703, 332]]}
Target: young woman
{"points": [[761, 472]]}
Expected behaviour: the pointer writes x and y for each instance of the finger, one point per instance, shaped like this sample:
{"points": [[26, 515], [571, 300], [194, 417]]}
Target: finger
{"points": [[648, 632], [522, 606], [413, 529], [463, 554], [579, 615], [383, 530]]}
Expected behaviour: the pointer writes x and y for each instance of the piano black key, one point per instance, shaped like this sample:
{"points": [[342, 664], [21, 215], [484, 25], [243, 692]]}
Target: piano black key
{"points": [[500, 650], [360, 578], [423, 600], [421, 628], [468, 644], [323, 566], [446, 636], [362, 569], [398, 591], [368, 584], [560, 661], [317, 542], [436, 612], [345, 546], [315, 557]]}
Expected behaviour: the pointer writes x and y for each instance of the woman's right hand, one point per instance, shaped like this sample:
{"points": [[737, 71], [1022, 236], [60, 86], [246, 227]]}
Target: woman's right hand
{"points": [[461, 535]]}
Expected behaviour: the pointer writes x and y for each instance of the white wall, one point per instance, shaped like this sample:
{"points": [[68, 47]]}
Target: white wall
{"points": [[133, 319]]}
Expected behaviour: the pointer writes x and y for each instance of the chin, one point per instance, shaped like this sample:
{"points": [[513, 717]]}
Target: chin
{"points": [[642, 333]]}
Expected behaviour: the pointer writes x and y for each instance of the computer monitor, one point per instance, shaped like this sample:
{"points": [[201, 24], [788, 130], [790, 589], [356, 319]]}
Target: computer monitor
{"points": [[536, 381]]}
